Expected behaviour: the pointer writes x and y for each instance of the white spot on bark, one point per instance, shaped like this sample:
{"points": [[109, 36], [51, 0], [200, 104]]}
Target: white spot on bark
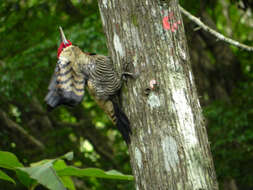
{"points": [[117, 45], [110, 4], [125, 26], [153, 101], [153, 11], [135, 58], [177, 65], [105, 3], [198, 103], [149, 131], [182, 53], [138, 157], [102, 18], [186, 121], [170, 154], [135, 92], [190, 76]]}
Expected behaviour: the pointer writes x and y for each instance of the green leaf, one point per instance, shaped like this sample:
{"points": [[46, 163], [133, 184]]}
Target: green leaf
{"points": [[25, 179], [67, 181], [9, 160], [41, 162], [93, 172], [113, 172], [68, 156], [45, 175], [59, 165], [5, 177]]}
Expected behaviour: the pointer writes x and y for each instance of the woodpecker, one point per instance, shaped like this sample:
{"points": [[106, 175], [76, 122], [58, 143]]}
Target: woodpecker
{"points": [[76, 70]]}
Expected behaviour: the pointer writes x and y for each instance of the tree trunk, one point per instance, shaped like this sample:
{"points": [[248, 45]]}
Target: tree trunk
{"points": [[169, 147]]}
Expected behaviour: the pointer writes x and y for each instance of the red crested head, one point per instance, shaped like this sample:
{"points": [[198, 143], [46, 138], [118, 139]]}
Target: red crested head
{"points": [[65, 43], [61, 47]]}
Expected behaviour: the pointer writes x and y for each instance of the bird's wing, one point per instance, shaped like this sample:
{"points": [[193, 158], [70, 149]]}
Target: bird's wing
{"points": [[66, 86]]}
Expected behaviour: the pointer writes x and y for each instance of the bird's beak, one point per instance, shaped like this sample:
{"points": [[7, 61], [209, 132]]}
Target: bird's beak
{"points": [[63, 38]]}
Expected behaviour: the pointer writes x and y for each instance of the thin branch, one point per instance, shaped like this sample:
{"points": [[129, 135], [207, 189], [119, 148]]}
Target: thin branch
{"points": [[14, 126], [213, 32]]}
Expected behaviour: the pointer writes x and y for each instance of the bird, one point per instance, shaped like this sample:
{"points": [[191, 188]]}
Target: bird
{"points": [[76, 70]]}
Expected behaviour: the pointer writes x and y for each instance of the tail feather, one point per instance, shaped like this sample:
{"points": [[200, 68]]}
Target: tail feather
{"points": [[122, 123], [52, 98]]}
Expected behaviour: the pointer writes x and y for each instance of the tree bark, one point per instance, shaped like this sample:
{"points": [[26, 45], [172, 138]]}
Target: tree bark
{"points": [[169, 147]]}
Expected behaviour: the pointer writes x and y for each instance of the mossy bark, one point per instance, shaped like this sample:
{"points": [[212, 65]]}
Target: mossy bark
{"points": [[169, 147]]}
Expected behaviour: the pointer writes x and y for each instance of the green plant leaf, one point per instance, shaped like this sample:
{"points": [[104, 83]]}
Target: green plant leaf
{"points": [[45, 175], [93, 172], [68, 156], [9, 160], [5, 177], [25, 179], [41, 162], [67, 181]]}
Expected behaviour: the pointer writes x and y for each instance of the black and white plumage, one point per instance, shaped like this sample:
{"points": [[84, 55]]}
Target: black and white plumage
{"points": [[76, 70]]}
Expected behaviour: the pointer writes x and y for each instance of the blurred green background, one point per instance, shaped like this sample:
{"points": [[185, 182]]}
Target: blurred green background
{"points": [[29, 39]]}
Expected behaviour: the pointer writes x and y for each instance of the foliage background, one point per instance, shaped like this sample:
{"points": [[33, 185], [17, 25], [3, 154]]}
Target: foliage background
{"points": [[29, 40]]}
